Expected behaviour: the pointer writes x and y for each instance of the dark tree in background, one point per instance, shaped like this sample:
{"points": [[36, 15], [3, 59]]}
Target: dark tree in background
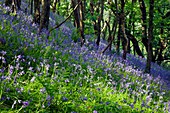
{"points": [[100, 11], [45, 13], [15, 4], [124, 37], [144, 23], [37, 11], [150, 36], [79, 18]]}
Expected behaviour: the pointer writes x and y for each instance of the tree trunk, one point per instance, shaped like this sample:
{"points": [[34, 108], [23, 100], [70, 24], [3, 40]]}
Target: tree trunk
{"points": [[14, 8], [76, 14], [81, 22], [150, 36], [135, 44], [144, 23], [44, 21], [98, 23], [79, 18], [18, 3], [100, 11], [119, 37], [124, 38], [31, 3], [37, 11], [129, 26]]}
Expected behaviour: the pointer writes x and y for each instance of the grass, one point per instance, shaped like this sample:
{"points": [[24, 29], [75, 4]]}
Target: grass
{"points": [[56, 75]]}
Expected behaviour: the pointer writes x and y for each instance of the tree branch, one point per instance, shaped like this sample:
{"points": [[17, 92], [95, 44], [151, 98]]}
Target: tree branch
{"points": [[57, 26]]}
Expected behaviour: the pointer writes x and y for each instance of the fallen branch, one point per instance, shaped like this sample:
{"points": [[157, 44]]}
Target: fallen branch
{"points": [[57, 26]]}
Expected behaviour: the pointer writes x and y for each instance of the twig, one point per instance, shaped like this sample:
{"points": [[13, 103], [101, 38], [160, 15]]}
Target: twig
{"points": [[57, 26]]}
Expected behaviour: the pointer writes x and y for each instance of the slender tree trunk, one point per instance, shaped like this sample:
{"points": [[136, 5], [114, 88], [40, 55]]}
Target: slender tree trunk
{"points": [[37, 11], [133, 27], [18, 3], [144, 23], [150, 36], [100, 11], [110, 32], [76, 14], [14, 8], [44, 21], [81, 22], [31, 3], [130, 24], [135, 44], [125, 39], [98, 23], [119, 37], [119, 29], [79, 19]]}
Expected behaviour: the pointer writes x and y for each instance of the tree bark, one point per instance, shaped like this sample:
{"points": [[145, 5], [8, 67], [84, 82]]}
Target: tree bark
{"points": [[124, 39], [79, 18], [31, 3], [81, 22], [44, 21], [18, 3], [144, 23], [76, 14], [135, 44], [14, 8], [119, 37], [37, 11], [150, 36]]}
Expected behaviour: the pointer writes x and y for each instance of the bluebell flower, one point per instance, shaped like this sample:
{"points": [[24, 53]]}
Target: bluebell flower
{"points": [[64, 99], [25, 103], [85, 98], [95, 111]]}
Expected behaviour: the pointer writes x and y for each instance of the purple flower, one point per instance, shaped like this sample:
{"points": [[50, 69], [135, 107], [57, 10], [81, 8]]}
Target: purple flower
{"points": [[49, 103], [107, 103], [98, 89], [48, 97], [64, 99], [95, 111], [67, 81], [11, 69], [25, 103], [42, 90], [3, 52], [85, 98]]}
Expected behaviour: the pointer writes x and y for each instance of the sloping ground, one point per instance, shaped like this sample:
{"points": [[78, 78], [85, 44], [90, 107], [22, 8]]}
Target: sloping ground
{"points": [[117, 73], [135, 64]]}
